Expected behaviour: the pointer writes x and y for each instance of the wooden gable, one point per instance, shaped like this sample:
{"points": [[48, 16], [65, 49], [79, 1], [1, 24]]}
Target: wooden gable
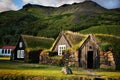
{"points": [[89, 53], [30, 43], [18, 43], [90, 41], [61, 40], [18, 47]]}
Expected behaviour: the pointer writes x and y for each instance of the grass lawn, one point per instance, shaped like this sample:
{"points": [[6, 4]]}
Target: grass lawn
{"points": [[19, 70], [4, 58]]}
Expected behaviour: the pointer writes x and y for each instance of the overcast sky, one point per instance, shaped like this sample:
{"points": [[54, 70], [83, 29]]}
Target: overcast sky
{"points": [[6, 5]]}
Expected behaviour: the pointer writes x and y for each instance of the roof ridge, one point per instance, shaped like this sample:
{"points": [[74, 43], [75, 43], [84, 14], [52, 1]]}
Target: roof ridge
{"points": [[40, 37], [76, 33]]}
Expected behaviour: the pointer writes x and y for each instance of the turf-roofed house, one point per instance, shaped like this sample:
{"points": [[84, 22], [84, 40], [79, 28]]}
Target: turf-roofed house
{"points": [[6, 50], [28, 48], [85, 47], [84, 50]]}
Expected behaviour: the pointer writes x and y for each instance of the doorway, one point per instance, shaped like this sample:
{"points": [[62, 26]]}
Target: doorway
{"points": [[90, 60]]}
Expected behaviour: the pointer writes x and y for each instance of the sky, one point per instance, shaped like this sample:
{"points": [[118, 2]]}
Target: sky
{"points": [[6, 5]]}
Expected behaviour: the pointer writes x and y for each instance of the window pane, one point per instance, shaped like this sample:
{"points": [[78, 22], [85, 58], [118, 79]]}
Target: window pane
{"points": [[18, 54], [90, 47], [22, 53], [2, 51], [8, 51], [20, 44], [61, 48], [5, 51]]}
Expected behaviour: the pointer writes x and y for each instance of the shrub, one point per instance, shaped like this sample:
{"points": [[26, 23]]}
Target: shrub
{"points": [[60, 63], [106, 47]]}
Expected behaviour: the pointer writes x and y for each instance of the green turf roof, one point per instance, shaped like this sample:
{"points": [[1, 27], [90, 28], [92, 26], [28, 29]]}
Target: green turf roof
{"points": [[75, 39], [33, 42], [112, 39]]}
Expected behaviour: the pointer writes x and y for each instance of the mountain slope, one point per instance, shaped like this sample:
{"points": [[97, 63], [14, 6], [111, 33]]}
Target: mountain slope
{"points": [[107, 29], [49, 21]]}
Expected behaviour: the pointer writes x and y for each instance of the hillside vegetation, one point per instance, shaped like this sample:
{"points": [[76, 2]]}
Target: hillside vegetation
{"points": [[49, 21], [103, 29]]}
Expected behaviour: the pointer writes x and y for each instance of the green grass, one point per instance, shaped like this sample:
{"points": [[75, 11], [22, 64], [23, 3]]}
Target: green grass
{"points": [[12, 70], [18, 70], [4, 58], [103, 29]]}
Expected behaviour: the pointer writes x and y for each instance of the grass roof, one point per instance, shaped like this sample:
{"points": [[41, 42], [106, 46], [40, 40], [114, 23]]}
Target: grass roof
{"points": [[75, 39], [112, 39], [36, 43]]}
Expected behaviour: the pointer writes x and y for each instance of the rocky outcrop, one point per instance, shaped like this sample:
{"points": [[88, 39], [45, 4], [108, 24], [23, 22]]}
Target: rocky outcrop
{"points": [[66, 70]]}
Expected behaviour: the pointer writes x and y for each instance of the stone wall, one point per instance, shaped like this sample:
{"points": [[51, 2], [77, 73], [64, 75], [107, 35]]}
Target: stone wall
{"points": [[107, 60], [68, 59], [45, 58]]}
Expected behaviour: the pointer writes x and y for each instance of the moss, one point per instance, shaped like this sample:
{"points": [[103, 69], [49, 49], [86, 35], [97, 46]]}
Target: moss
{"points": [[36, 43]]}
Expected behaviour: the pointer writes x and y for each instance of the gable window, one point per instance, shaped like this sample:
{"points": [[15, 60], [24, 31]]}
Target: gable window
{"points": [[20, 45], [90, 47], [20, 54], [61, 48]]}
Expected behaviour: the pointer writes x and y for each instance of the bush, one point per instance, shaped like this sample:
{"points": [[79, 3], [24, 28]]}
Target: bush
{"points": [[106, 47], [60, 63]]}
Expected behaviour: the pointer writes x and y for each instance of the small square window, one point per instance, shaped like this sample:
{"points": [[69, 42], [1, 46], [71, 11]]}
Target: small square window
{"points": [[20, 44], [90, 47]]}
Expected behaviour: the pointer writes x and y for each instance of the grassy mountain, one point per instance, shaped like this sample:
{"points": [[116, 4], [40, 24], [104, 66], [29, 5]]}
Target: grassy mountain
{"points": [[104, 29], [44, 21]]}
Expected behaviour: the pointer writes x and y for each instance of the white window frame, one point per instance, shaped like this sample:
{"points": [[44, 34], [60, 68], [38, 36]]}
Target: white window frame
{"points": [[20, 53], [20, 44], [60, 49]]}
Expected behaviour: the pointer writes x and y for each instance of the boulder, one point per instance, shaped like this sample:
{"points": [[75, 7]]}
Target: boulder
{"points": [[66, 70]]}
